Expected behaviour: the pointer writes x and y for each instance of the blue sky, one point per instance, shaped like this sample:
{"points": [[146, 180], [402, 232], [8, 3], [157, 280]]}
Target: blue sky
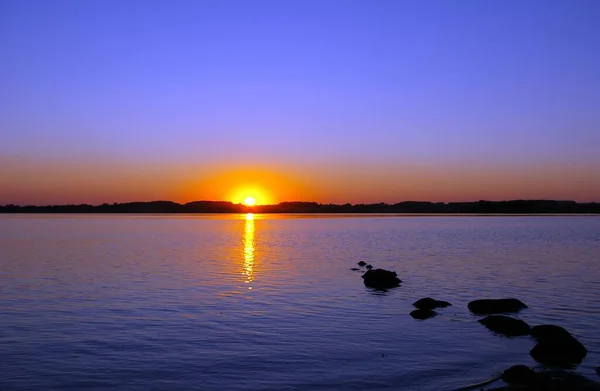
{"points": [[301, 84]]}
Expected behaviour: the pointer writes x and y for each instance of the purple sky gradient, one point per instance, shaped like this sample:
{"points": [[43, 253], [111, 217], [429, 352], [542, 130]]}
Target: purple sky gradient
{"points": [[352, 98]]}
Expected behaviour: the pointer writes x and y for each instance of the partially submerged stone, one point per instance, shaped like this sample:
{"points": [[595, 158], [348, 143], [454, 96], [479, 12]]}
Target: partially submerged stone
{"points": [[518, 375], [496, 306], [381, 279], [556, 346], [549, 332], [362, 263], [553, 381], [505, 325], [423, 314], [427, 303]]}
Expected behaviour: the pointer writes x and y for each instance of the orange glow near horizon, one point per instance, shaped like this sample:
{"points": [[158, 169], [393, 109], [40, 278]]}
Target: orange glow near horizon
{"points": [[40, 182], [263, 186], [249, 195]]}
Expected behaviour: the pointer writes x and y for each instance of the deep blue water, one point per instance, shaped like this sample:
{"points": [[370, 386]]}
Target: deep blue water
{"points": [[167, 302]]}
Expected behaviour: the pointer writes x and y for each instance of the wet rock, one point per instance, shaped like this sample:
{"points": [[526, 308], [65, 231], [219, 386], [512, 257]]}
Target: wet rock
{"points": [[506, 325], [495, 306], [555, 381], [427, 303], [362, 263], [355, 269], [550, 331], [518, 374], [556, 346], [423, 314], [369, 267], [381, 279], [564, 381]]}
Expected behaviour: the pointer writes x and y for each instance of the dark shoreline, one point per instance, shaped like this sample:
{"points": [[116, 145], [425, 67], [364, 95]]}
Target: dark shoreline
{"points": [[513, 207]]}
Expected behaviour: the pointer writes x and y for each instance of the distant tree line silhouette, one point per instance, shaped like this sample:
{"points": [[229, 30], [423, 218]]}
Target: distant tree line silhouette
{"points": [[417, 207]]}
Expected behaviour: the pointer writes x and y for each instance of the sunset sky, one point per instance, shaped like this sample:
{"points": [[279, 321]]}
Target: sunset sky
{"points": [[314, 100]]}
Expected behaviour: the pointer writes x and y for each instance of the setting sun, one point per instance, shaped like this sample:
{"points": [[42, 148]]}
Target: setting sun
{"points": [[249, 201]]}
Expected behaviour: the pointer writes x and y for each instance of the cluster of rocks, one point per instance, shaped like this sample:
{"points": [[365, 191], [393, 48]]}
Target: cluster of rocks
{"points": [[555, 346], [384, 279], [501, 324], [426, 306]]}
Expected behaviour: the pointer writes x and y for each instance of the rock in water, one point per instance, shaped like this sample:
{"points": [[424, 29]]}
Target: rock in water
{"points": [[423, 314], [506, 325], [556, 346], [369, 267], [549, 332], [555, 380], [518, 375], [495, 306], [355, 269], [381, 279], [427, 303], [598, 371], [362, 263]]}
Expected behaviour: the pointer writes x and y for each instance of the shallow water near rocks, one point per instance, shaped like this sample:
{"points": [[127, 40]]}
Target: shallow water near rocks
{"points": [[211, 302]]}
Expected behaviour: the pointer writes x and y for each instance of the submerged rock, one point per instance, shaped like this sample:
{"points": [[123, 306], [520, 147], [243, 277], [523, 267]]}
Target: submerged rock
{"points": [[355, 269], [381, 279], [553, 381], [550, 331], [369, 267], [561, 355], [423, 314], [362, 263], [427, 303], [506, 325], [495, 306], [556, 346], [518, 374]]}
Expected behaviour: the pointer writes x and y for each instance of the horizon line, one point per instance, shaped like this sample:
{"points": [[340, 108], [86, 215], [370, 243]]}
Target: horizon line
{"points": [[300, 202]]}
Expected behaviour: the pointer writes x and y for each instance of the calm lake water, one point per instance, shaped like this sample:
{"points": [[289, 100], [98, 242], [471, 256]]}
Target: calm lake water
{"points": [[236, 302]]}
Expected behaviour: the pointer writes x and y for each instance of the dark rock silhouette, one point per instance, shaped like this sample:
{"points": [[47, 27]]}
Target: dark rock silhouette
{"points": [[495, 306], [369, 267], [518, 374], [553, 381], [355, 269], [423, 314], [550, 353], [381, 279], [598, 371], [427, 303], [522, 378], [549, 331], [362, 263], [506, 325], [556, 346]]}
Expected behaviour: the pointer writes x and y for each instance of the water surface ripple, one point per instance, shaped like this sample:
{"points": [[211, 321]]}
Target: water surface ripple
{"points": [[212, 302]]}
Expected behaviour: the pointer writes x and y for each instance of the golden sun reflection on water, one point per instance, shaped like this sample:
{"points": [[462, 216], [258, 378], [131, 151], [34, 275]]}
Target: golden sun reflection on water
{"points": [[249, 249]]}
